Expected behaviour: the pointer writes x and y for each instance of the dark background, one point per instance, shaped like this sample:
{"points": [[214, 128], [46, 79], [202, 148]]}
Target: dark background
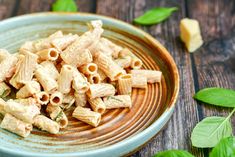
{"points": [[212, 65]]}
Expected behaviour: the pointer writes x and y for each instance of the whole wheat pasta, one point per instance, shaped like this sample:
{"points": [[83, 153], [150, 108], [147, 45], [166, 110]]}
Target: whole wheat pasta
{"points": [[79, 84], [50, 69], [5, 90], [97, 105], [46, 124], [28, 101], [84, 58], [100, 47], [103, 77], [16, 126], [3, 54], [62, 43], [100, 90], [29, 89], [68, 100], [115, 48], [124, 62], [88, 69], [65, 79], [87, 116], [42, 98], [118, 101], [48, 83], [57, 114], [136, 63], [25, 70], [108, 66], [80, 99], [23, 112], [50, 54], [125, 84], [151, 75], [2, 105], [139, 82], [71, 55], [56, 98], [6, 65], [27, 46], [46, 42], [94, 78]]}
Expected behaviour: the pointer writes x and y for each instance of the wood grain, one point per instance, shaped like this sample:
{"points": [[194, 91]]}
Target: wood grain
{"points": [[212, 65]]}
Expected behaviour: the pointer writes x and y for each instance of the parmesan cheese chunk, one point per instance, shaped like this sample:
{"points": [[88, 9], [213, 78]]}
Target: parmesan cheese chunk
{"points": [[190, 34]]}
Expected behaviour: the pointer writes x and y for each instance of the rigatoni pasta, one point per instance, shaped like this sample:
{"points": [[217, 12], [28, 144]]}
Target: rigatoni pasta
{"points": [[63, 73]]}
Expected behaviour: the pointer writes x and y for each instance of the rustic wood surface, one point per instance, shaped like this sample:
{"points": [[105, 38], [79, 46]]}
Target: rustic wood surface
{"points": [[212, 65]]}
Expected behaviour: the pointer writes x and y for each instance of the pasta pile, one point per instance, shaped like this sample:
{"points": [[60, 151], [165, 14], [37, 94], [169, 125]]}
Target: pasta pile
{"points": [[54, 73]]}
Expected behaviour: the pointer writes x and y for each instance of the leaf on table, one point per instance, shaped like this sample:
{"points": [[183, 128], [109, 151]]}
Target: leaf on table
{"points": [[210, 131], [173, 153], [217, 96], [225, 148], [65, 6], [154, 16]]}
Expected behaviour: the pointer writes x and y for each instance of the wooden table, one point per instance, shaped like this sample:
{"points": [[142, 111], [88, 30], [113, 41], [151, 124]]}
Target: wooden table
{"points": [[211, 65]]}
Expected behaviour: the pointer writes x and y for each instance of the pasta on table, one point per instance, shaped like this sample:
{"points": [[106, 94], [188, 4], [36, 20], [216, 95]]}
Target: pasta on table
{"points": [[88, 71]]}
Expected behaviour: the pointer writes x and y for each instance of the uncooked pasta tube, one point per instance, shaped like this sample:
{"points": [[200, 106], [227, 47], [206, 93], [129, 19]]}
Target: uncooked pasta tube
{"points": [[50, 69], [42, 98], [24, 70], [97, 105], [46, 124], [79, 84], [100, 90], [3, 54], [16, 126], [125, 84], [65, 79], [88, 69], [108, 66], [62, 43], [94, 78], [151, 75], [80, 99], [87, 116], [5, 90], [136, 63], [29, 89], [48, 83], [23, 112], [115, 48], [68, 100], [56, 98], [118, 101], [50, 54], [28, 101], [27, 46]]}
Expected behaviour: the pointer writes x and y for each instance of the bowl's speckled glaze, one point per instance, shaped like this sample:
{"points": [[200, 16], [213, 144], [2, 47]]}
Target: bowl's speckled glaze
{"points": [[121, 130]]}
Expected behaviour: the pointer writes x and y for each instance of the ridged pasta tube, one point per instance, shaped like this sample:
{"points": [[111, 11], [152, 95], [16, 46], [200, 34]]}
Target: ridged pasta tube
{"points": [[118, 101], [136, 63], [100, 90], [151, 75], [62, 43], [125, 84], [5, 90], [42, 98], [6, 65], [50, 54], [97, 105], [88, 69], [139, 82], [79, 84], [29, 89], [50, 69], [94, 78], [65, 79], [56, 98], [80, 99]]}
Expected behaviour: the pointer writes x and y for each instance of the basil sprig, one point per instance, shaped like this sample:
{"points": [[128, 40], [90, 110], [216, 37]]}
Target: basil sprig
{"points": [[154, 16]]}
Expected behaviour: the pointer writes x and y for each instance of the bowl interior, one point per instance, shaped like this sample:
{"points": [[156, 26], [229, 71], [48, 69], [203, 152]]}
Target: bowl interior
{"points": [[116, 125]]}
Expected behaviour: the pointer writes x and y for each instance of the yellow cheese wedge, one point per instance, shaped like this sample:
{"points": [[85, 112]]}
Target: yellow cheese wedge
{"points": [[190, 34]]}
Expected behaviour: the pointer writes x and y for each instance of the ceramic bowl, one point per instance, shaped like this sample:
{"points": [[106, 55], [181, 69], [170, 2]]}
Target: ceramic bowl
{"points": [[121, 131]]}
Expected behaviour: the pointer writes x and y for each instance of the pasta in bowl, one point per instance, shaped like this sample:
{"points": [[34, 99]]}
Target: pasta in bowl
{"points": [[86, 87]]}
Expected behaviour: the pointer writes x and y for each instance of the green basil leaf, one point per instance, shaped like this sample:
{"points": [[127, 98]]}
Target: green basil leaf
{"points": [[65, 6], [217, 96], [225, 148], [173, 153], [210, 131], [154, 16]]}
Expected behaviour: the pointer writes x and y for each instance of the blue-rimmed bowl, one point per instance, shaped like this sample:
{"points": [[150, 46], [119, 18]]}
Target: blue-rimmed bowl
{"points": [[122, 131]]}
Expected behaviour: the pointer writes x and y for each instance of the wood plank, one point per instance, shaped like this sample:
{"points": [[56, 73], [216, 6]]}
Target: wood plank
{"points": [[177, 133], [215, 61], [7, 8], [86, 5]]}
